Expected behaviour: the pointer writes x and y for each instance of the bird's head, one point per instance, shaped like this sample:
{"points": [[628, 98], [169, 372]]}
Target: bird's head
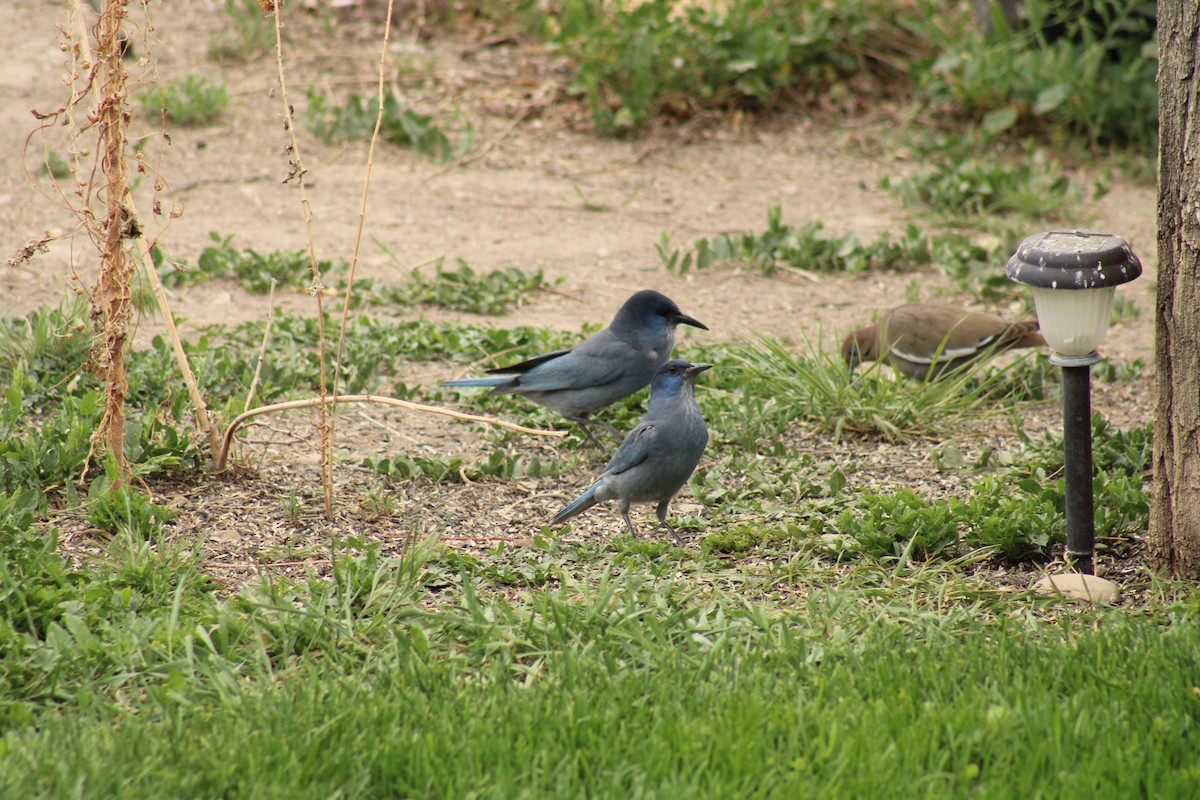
{"points": [[674, 375], [649, 307], [860, 346]]}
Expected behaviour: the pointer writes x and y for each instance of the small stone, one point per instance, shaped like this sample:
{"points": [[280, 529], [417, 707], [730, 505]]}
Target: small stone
{"points": [[1074, 586]]}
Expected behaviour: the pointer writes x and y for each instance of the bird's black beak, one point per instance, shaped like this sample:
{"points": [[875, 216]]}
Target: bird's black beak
{"points": [[696, 369], [684, 319]]}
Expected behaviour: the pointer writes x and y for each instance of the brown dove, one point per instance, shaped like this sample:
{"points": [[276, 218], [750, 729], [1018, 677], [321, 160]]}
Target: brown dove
{"points": [[925, 339]]}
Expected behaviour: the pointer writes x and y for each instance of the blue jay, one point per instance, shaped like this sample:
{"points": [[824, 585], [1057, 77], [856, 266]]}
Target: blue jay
{"points": [[611, 365], [659, 455]]}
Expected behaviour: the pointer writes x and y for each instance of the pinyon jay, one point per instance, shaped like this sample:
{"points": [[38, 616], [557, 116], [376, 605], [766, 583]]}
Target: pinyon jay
{"points": [[611, 365], [925, 339], [659, 455]]}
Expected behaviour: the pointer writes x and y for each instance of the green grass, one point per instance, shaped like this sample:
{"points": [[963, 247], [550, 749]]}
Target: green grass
{"points": [[811, 382], [602, 681], [822, 639]]}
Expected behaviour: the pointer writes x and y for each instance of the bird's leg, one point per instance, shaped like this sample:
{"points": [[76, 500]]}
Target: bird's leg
{"points": [[612, 429], [584, 423], [662, 518], [671, 529], [632, 530]]}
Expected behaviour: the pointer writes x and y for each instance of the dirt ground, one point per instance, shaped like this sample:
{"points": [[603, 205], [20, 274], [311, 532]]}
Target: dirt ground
{"points": [[540, 193]]}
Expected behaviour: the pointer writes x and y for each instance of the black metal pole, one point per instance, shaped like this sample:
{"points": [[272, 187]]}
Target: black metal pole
{"points": [[1077, 454]]}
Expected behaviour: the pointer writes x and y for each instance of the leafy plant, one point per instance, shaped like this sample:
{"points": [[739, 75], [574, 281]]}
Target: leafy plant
{"points": [[50, 345], [1112, 371], [974, 186], [248, 32], [899, 526], [56, 166], [809, 248], [405, 467], [400, 126], [44, 455], [1124, 309], [463, 289], [1093, 82], [257, 270], [192, 101], [455, 470], [637, 63], [114, 507]]}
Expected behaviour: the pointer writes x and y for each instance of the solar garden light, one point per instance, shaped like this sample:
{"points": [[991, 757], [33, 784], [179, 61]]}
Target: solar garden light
{"points": [[1073, 276]]}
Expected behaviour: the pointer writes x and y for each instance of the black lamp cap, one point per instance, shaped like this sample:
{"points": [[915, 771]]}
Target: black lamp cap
{"points": [[1073, 260]]}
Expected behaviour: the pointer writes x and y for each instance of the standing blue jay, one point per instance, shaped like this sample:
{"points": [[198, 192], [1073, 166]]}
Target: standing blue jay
{"points": [[659, 455], [609, 366]]}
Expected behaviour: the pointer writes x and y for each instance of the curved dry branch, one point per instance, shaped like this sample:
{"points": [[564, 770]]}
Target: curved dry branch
{"points": [[222, 456]]}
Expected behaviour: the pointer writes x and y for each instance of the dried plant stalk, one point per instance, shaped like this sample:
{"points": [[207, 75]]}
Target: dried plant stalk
{"points": [[358, 234], [223, 453], [189, 377], [297, 172], [112, 304]]}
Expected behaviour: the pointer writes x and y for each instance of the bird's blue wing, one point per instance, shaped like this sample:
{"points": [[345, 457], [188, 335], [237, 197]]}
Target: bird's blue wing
{"points": [[636, 448], [530, 363], [601, 360]]}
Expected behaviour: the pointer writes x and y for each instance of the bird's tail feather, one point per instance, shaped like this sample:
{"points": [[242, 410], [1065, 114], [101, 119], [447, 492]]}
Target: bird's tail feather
{"points": [[1023, 334], [497, 380], [578, 505]]}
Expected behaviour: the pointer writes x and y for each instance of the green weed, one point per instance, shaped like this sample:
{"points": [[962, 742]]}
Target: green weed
{"points": [[807, 247], [900, 526], [400, 126], [1095, 85], [1016, 515], [56, 166], [248, 32], [456, 470], [639, 63], [192, 101], [1124, 309], [959, 189], [50, 345], [257, 271], [974, 267], [114, 507], [461, 289], [1112, 371]]}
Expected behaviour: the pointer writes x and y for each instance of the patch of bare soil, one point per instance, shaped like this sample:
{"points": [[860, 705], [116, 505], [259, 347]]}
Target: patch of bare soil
{"points": [[541, 192]]}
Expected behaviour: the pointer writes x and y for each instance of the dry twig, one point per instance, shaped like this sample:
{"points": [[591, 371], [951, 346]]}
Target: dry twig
{"points": [[222, 456], [296, 171], [358, 235]]}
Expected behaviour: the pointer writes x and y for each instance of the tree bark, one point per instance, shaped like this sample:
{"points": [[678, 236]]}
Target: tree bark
{"points": [[1174, 537]]}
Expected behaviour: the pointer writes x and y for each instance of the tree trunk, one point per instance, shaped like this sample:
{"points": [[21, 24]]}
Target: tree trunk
{"points": [[1174, 538]]}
